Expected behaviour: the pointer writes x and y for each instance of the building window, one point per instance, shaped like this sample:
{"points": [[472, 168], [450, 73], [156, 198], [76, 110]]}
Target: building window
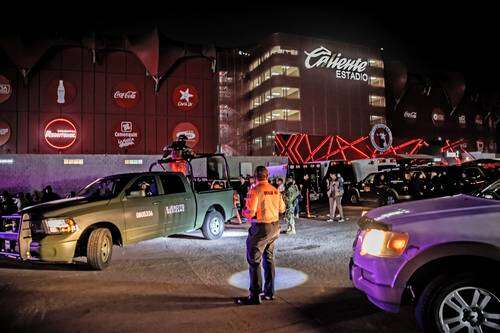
{"points": [[277, 114], [274, 50], [374, 120], [377, 82], [293, 115], [269, 140], [276, 92], [377, 101], [257, 143], [278, 70], [377, 63]]}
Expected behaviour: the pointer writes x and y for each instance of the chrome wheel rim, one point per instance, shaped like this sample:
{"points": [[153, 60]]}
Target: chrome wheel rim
{"points": [[105, 249], [215, 226], [469, 309]]}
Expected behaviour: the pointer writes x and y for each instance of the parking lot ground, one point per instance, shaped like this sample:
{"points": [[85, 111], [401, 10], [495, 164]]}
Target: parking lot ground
{"points": [[184, 283]]}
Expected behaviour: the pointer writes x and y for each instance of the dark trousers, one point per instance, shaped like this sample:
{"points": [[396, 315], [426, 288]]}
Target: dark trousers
{"points": [[260, 245]]}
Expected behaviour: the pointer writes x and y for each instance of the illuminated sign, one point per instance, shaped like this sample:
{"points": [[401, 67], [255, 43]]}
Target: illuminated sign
{"points": [[189, 130], [462, 120], [410, 116], [5, 132], [126, 134], [437, 116], [126, 95], [185, 97], [381, 137], [60, 133], [345, 68], [5, 89], [478, 120], [61, 92]]}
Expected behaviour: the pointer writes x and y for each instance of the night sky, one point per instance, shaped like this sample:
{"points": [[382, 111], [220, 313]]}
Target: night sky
{"points": [[423, 34]]}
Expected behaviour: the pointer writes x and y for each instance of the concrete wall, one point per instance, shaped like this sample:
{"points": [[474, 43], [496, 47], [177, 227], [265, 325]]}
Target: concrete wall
{"points": [[29, 172]]}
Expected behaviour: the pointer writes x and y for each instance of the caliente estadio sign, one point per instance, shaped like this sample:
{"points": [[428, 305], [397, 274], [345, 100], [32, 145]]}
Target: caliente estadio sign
{"points": [[345, 68]]}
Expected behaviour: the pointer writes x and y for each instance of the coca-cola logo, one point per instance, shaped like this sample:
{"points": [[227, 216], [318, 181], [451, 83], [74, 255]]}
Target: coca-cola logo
{"points": [[126, 95], [5, 89], [61, 92], [185, 97], [4, 132], [478, 120], [126, 134], [437, 117], [410, 116], [60, 133], [189, 130], [462, 120], [344, 67]]}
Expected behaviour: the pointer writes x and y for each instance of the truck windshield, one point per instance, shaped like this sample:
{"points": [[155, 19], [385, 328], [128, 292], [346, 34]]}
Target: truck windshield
{"points": [[104, 188], [491, 192]]}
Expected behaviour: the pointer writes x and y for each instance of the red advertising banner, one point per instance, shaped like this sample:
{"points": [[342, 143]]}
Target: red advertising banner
{"points": [[185, 97], [5, 132], [189, 130], [126, 95], [60, 133], [62, 92], [5, 89], [126, 134]]}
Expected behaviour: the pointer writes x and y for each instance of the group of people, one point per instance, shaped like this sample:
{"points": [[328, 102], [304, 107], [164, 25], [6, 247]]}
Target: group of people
{"points": [[9, 204]]}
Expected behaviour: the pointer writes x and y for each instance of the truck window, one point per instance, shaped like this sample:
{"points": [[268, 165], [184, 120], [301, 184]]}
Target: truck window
{"points": [[146, 184], [172, 184]]}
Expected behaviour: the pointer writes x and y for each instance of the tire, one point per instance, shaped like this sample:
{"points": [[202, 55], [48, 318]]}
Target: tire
{"points": [[213, 225], [353, 198], [99, 248], [432, 307]]}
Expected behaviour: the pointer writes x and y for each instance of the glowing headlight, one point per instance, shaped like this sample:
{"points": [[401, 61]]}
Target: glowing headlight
{"points": [[60, 225], [382, 243]]}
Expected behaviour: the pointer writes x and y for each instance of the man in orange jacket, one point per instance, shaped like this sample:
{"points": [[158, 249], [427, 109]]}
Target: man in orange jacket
{"points": [[265, 202]]}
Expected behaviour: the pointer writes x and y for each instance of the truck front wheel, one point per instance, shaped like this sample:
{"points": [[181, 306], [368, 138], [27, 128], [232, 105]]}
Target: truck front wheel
{"points": [[213, 226], [99, 248]]}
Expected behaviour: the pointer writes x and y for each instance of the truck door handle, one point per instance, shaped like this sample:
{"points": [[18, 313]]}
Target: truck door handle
{"points": [[156, 203]]}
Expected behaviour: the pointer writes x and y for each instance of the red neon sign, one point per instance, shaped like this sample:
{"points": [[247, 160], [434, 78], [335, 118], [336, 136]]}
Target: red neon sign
{"points": [[60, 133]]}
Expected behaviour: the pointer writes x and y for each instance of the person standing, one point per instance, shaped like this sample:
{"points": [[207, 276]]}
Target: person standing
{"points": [[334, 197], [265, 202], [290, 197]]}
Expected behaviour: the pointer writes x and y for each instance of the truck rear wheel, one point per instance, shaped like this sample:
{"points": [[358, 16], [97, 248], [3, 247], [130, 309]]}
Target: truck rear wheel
{"points": [[99, 248], [213, 226]]}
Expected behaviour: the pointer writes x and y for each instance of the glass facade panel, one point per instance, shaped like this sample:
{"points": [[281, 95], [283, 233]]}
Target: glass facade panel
{"points": [[293, 115], [378, 82], [376, 100]]}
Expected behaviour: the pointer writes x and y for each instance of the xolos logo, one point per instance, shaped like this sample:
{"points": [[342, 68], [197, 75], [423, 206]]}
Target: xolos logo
{"points": [[126, 95], [185, 97]]}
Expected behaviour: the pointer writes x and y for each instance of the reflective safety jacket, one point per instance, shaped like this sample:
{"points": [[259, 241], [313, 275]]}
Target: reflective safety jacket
{"points": [[265, 201]]}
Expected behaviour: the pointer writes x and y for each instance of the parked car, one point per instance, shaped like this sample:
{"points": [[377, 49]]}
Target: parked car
{"points": [[441, 255], [116, 210]]}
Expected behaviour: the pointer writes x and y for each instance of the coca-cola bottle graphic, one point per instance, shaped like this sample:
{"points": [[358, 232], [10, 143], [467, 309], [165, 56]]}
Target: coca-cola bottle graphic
{"points": [[61, 92]]}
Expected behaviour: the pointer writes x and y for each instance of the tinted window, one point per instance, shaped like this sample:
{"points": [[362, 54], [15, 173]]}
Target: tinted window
{"points": [[172, 184], [146, 184]]}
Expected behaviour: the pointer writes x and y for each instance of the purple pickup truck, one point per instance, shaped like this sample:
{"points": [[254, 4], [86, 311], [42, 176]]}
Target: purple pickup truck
{"points": [[440, 255]]}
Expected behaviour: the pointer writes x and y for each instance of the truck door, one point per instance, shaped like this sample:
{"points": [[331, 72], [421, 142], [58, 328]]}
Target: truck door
{"points": [[177, 206], [141, 209]]}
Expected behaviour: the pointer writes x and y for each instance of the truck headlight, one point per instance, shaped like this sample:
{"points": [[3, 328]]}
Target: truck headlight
{"points": [[381, 243], [60, 225]]}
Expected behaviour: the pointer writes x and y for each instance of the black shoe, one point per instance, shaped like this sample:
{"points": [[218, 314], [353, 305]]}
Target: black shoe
{"points": [[268, 297], [249, 300]]}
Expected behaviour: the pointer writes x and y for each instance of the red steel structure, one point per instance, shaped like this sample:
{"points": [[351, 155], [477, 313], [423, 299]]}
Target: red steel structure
{"points": [[300, 149]]}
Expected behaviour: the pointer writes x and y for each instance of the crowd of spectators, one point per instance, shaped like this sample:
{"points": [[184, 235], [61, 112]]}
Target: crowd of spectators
{"points": [[10, 204]]}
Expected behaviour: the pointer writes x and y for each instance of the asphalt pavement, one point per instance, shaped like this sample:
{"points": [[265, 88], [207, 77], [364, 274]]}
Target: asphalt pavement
{"points": [[185, 283]]}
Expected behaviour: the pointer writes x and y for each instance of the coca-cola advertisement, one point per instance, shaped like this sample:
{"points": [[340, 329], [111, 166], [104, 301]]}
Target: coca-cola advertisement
{"points": [[189, 130], [60, 133], [5, 89], [438, 117], [61, 92], [5, 132], [126, 95], [410, 115], [185, 97], [126, 134]]}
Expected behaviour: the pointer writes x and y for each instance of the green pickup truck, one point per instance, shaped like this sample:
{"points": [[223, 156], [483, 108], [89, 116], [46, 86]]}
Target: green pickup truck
{"points": [[116, 210]]}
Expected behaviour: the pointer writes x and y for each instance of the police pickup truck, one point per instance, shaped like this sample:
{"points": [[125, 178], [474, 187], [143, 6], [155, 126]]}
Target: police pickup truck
{"points": [[116, 210]]}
